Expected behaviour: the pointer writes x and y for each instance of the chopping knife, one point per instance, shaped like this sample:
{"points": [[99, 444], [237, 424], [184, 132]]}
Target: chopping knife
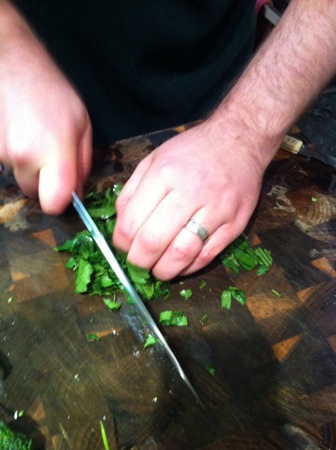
{"points": [[117, 269], [295, 146]]}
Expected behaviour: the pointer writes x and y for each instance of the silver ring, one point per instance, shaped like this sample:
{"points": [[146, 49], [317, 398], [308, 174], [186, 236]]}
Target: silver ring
{"points": [[195, 228]]}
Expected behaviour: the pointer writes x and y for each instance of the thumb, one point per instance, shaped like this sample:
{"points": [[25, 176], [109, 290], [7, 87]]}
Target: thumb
{"points": [[57, 180]]}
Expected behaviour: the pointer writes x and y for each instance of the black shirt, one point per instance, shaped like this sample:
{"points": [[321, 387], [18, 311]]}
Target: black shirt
{"points": [[144, 65]]}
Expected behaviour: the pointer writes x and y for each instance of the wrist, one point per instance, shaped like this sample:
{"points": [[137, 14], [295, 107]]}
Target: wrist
{"points": [[239, 119]]}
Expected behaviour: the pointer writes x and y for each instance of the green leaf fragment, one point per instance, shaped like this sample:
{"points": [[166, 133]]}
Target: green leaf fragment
{"points": [[210, 369], [238, 295], [83, 276], [226, 299], [202, 284], [232, 293], [112, 305], [245, 260], [173, 318], [106, 280], [186, 294], [137, 274], [240, 254], [99, 279], [262, 269], [104, 436], [264, 256], [150, 341], [276, 293], [92, 337], [71, 264], [204, 318]]}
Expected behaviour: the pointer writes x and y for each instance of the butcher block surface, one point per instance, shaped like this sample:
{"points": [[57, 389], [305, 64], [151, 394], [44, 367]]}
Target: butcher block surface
{"points": [[272, 383]]}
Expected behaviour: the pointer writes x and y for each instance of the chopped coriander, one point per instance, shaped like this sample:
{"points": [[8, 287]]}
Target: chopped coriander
{"points": [[93, 274], [276, 293], [204, 319], [150, 341], [112, 305], [264, 256], [239, 254], [92, 337], [104, 436], [202, 284], [173, 318], [84, 272], [210, 369], [226, 299], [232, 293], [262, 269], [186, 293]]}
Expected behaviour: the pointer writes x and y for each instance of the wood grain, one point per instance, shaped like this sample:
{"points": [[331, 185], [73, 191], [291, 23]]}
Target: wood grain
{"points": [[274, 385]]}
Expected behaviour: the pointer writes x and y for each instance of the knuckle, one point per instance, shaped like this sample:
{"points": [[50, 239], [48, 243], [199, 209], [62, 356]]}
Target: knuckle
{"points": [[124, 233], [19, 154], [165, 170], [149, 241], [183, 251]]}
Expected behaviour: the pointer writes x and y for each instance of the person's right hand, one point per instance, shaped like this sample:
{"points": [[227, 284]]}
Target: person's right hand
{"points": [[45, 131]]}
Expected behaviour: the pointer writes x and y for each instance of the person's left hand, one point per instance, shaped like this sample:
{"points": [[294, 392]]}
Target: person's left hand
{"points": [[199, 175]]}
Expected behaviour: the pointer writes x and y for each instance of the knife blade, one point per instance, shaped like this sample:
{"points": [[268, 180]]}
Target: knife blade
{"points": [[129, 288], [296, 146]]}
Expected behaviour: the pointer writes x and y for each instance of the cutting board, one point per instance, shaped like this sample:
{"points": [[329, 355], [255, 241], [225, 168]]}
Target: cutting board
{"points": [[273, 383]]}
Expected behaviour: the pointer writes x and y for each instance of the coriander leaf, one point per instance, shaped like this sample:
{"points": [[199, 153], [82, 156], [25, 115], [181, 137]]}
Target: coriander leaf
{"points": [[104, 212], [202, 284], [232, 293], [245, 260], [226, 299], [210, 369], [137, 274], [71, 264], [112, 305], [186, 294], [150, 341], [83, 276], [262, 269], [276, 293], [104, 436], [106, 280], [238, 295], [92, 337], [173, 318], [240, 254], [204, 318], [97, 278]]}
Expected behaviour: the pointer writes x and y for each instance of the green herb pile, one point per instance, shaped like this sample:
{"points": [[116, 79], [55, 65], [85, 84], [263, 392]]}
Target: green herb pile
{"points": [[239, 254], [93, 274], [10, 440]]}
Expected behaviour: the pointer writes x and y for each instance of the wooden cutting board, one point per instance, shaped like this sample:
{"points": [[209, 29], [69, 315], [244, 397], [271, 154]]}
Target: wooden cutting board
{"points": [[274, 380]]}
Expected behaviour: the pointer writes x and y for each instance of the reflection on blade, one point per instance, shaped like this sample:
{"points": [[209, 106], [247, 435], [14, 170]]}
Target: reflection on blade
{"points": [[117, 269]]}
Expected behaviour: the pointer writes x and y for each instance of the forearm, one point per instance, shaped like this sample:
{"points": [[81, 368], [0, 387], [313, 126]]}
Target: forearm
{"points": [[19, 47], [12, 24], [284, 76]]}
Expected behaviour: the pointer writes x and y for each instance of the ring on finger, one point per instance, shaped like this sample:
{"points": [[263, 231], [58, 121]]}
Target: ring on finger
{"points": [[197, 229]]}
